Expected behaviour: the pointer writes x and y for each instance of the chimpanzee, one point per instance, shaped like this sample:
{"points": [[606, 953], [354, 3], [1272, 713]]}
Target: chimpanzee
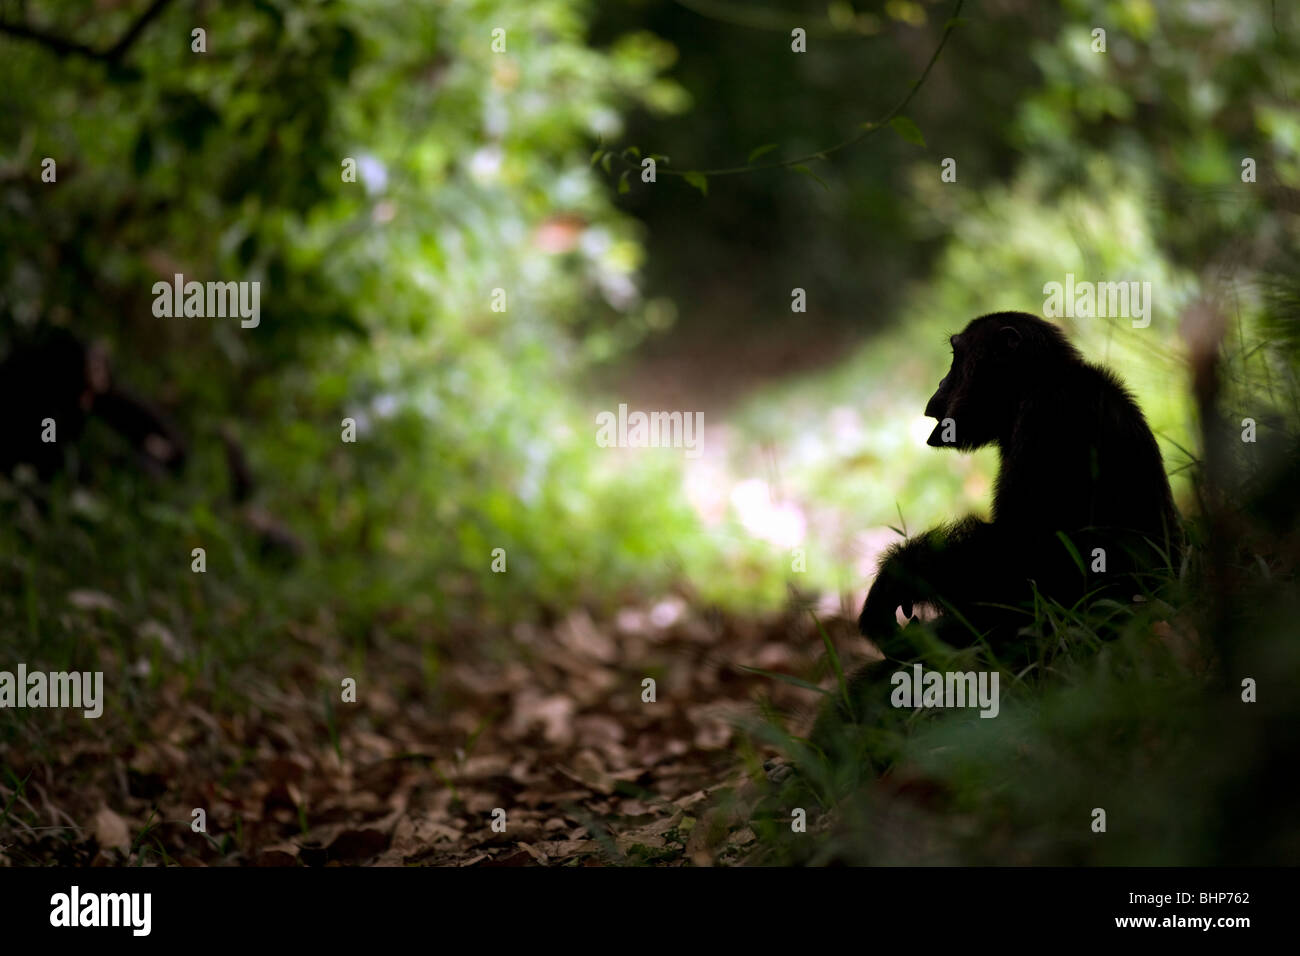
{"points": [[1081, 508], [1081, 505]]}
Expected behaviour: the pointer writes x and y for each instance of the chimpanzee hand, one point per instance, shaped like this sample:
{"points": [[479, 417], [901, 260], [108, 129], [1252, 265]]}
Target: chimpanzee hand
{"points": [[879, 620]]}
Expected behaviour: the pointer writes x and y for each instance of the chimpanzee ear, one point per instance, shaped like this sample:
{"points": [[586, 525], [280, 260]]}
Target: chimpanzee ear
{"points": [[1009, 336]]}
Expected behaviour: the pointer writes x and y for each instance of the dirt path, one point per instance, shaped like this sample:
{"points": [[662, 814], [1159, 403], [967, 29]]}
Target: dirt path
{"points": [[557, 748], [549, 753]]}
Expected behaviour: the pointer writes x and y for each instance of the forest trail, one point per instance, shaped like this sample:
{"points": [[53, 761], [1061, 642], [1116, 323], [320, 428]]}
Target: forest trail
{"points": [[551, 759]]}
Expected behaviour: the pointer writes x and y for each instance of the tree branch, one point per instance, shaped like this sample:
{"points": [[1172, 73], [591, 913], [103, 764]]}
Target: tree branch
{"points": [[866, 131], [64, 47]]}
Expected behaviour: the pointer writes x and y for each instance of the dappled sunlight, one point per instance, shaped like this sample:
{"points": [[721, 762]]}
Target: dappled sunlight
{"points": [[780, 522], [487, 434]]}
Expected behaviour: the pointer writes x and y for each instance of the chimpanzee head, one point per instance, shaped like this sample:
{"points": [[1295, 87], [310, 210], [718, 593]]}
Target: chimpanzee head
{"points": [[996, 361]]}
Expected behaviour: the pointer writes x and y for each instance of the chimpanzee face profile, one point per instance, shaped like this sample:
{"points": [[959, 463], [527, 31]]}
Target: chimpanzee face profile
{"points": [[972, 401]]}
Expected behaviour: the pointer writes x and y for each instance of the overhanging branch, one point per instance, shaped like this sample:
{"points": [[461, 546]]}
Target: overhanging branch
{"points": [[64, 47]]}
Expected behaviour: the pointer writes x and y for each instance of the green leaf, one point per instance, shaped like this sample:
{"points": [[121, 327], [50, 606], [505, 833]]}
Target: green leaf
{"points": [[633, 150], [699, 181], [622, 183], [595, 157], [834, 658], [785, 678], [1074, 552], [955, 22], [758, 151], [905, 128], [606, 160], [800, 168]]}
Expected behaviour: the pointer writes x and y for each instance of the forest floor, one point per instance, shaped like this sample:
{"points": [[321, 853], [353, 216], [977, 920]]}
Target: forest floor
{"points": [[535, 748], [557, 747]]}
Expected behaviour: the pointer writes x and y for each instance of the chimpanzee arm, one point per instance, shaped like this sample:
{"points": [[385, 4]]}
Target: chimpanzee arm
{"points": [[950, 562]]}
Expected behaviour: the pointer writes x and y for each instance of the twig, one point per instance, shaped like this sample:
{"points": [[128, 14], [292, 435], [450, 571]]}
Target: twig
{"points": [[868, 130], [65, 47]]}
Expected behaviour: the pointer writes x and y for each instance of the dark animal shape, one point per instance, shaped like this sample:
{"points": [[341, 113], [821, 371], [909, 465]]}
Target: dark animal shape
{"points": [[1078, 463], [53, 374], [1080, 483], [1082, 508]]}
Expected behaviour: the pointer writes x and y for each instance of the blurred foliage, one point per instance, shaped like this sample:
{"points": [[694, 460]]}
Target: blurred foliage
{"points": [[855, 439], [376, 295], [846, 242], [1094, 160], [1132, 170], [475, 426]]}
